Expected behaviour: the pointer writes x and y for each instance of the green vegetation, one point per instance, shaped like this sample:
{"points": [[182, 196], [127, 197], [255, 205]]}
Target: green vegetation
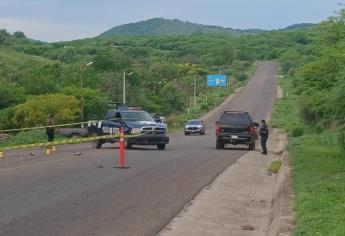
{"points": [[28, 137], [319, 181], [164, 69], [161, 26], [318, 163], [312, 112], [275, 166]]}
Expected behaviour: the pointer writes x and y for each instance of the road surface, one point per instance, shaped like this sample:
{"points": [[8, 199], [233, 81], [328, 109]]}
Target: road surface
{"points": [[64, 194]]}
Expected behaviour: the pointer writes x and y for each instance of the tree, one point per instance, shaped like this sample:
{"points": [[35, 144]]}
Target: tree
{"points": [[19, 34], [172, 96], [10, 94], [111, 61], [35, 111], [93, 99]]}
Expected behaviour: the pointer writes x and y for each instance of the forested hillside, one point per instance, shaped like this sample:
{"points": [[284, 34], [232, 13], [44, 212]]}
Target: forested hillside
{"points": [[161, 26], [318, 73], [35, 75]]}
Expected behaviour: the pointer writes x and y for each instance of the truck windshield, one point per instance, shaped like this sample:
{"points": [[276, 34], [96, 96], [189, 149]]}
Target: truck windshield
{"points": [[237, 119], [136, 116]]}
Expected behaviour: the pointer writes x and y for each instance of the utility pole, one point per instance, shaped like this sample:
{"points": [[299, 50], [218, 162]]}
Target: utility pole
{"points": [[81, 93], [194, 92], [82, 102], [124, 87]]}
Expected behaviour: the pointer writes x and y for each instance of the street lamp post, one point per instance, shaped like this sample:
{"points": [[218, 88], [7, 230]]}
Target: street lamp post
{"points": [[81, 66], [124, 86]]}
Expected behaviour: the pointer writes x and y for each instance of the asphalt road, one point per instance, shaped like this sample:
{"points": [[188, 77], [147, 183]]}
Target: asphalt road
{"points": [[66, 194]]}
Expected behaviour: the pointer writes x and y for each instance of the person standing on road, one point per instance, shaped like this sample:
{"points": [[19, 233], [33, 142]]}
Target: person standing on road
{"points": [[50, 130], [264, 136]]}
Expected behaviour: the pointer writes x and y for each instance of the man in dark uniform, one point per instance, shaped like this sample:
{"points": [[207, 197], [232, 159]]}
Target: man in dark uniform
{"points": [[264, 136], [50, 130], [157, 118]]}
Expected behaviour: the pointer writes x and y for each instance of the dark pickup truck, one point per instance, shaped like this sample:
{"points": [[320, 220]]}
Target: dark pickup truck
{"points": [[236, 127], [135, 122]]}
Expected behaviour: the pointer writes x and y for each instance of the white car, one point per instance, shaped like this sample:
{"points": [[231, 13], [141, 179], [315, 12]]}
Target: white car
{"points": [[194, 127]]}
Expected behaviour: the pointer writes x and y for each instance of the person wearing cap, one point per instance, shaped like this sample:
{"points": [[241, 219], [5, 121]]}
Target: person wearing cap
{"points": [[157, 118], [264, 136]]}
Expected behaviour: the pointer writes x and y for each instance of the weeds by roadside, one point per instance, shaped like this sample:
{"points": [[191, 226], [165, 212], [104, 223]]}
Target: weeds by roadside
{"points": [[318, 169], [275, 166]]}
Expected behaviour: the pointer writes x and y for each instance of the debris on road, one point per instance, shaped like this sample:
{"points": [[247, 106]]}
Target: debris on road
{"points": [[247, 227]]}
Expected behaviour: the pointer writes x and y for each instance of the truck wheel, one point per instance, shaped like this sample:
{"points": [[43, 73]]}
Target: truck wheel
{"points": [[97, 144], [251, 146], [161, 146], [128, 144], [219, 145]]}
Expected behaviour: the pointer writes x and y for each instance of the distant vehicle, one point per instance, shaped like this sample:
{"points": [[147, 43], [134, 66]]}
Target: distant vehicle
{"points": [[236, 127], [134, 121], [194, 127]]}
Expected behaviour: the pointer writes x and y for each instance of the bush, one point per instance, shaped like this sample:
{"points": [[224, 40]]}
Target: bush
{"points": [[308, 116], [36, 110], [297, 131], [204, 107]]}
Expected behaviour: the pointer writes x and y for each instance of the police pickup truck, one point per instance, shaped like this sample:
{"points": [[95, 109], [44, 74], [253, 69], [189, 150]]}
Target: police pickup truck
{"points": [[135, 122]]}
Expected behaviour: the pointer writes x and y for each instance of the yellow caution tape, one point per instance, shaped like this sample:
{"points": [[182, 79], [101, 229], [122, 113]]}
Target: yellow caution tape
{"points": [[68, 141], [41, 127], [56, 126]]}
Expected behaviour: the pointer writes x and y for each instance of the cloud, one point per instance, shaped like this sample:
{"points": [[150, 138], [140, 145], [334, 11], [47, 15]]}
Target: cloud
{"points": [[48, 31]]}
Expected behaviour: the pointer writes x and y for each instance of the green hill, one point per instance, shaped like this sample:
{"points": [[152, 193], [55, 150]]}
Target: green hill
{"points": [[300, 26], [161, 26]]}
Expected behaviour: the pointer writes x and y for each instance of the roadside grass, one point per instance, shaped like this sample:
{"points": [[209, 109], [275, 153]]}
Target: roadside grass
{"points": [[27, 137], [318, 170], [319, 182], [285, 112], [275, 166]]}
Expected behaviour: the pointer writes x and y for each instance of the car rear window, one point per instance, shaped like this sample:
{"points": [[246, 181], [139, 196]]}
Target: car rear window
{"points": [[237, 119]]}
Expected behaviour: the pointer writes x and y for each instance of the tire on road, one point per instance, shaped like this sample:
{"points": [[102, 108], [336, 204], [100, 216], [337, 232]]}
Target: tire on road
{"points": [[251, 146], [128, 144], [219, 144], [161, 146], [97, 144]]}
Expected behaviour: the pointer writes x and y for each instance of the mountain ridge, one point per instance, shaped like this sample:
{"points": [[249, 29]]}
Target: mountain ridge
{"points": [[162, 26]]}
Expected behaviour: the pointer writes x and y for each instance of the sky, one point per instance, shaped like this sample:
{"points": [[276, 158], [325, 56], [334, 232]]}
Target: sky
{"points": [[61, 20]]}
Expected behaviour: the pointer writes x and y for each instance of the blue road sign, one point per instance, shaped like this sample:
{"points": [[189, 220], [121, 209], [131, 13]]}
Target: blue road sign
{"points": [[217, 81]]}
